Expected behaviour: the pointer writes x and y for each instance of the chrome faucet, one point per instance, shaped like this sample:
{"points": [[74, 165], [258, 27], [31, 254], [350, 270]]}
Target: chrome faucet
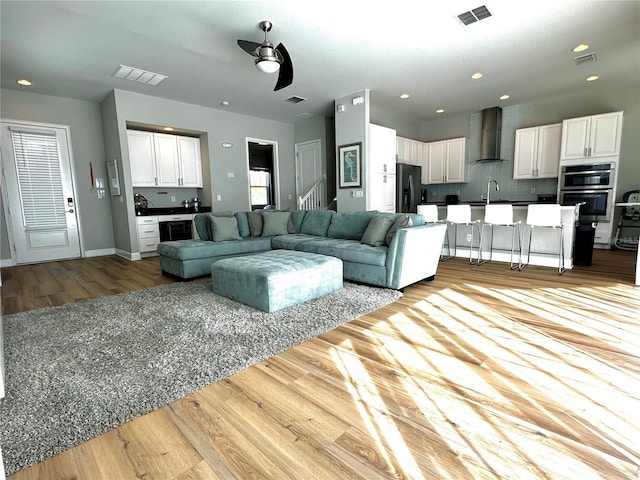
{"points": [[489, 188]]}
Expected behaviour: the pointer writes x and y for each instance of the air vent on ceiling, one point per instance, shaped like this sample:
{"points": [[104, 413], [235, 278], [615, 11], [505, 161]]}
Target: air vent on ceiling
{"points": [[295, 99], [475, 15], [139, 75], [305, 115], [588, 58]]}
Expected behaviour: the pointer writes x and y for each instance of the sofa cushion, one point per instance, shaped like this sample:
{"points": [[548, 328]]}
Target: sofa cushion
{"points": [[194, 249], [275, 223], [297, 216], [224, 228], [350, 225], [316, 222], [291, 241], [376, 232], [402, 220], [255, 223], [201, 221], [346, 250], [243, 224]]}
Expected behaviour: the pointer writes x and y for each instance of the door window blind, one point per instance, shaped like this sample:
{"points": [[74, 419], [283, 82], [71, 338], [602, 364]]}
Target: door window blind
{"points": [[39, 179]]}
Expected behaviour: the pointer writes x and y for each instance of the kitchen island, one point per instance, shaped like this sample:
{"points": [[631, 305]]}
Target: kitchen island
{"points": [[544, 244]]}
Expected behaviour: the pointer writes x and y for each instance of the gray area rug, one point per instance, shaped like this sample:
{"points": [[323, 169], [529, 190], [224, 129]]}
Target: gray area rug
{"points": [[76, 371]]}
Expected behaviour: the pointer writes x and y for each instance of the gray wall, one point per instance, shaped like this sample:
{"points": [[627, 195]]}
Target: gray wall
{"points": [[543, 112], [214, 127], [352, 127], [87, 143]]}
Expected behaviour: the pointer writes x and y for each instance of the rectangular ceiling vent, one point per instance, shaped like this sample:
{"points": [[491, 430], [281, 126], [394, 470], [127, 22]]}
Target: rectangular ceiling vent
{"points": [[475, 15], [295, 99], [588, 58], [139, 75]]}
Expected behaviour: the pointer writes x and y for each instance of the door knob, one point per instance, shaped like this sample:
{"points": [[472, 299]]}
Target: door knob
{"points": [[70, 211]]}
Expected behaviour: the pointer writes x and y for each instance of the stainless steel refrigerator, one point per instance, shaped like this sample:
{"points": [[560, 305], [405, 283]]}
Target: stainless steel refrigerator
{"points": [[408, 187]]}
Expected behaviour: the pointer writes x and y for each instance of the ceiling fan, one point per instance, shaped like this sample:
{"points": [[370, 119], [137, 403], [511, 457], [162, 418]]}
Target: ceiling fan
{"points": [[269, 59]]}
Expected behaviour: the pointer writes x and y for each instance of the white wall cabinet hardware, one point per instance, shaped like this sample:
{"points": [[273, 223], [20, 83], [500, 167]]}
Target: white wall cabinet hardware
{"points": [[593, 136], [381, 171], [537, 152], [159, 159], [148, 233], [447, 161]]}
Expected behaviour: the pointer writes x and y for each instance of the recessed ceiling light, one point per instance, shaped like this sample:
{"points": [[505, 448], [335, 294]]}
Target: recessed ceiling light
{"points": [[592, 78], [440, 110], [581, 48], [477, 75], [224, 103], [168, 129], [24, 82], [504, 97], [404, 95]]}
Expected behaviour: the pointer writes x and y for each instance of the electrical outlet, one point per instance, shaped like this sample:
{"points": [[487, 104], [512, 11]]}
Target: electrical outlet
{"points": [[533, 189], [173, 199], [468, 238], [219, 198]]}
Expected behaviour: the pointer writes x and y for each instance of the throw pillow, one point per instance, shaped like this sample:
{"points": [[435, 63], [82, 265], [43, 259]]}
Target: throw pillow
{"points": [[255, 223], [243, 224], [376, 231], [316, 222], [224, 228], [275, 223], [402, 221], [297, 216]]}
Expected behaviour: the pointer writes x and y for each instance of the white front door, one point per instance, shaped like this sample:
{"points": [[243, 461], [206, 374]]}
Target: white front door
{"points": [[38, 192], [308, 166]]}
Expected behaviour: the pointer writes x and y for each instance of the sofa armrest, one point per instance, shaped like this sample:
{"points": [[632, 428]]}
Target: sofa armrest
{"points": [[414, 254]]}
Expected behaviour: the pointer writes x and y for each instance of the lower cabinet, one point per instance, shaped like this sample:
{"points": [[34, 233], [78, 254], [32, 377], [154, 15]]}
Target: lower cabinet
{"points": [[382, 192], [148, 233]]}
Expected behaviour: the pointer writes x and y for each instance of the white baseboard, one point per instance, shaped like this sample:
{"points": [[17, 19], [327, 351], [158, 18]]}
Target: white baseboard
{"points": [[6, 262], [103, 252], [128, 255]]}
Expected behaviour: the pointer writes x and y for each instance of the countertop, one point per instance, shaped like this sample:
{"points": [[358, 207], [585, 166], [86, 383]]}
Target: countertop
{"points": [[172, 211], [515, 203]]}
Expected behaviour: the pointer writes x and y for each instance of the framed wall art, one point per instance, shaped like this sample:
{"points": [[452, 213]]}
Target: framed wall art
{"points": [[350, 168]]}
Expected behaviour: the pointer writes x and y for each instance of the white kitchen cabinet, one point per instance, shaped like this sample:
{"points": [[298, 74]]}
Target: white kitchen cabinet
{"points": [[410, 151], [381, 171], [159, 159], [592, 136], [537, 152], [148, 233], [447, 161], [142, 156]]}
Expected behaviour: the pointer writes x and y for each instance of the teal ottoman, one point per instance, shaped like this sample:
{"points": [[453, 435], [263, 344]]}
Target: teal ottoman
{"points": [[276, 279]]}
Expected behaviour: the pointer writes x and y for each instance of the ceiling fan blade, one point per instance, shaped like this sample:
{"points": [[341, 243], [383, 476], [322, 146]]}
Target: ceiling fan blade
{"points": [[285, 76], [249, 47]]}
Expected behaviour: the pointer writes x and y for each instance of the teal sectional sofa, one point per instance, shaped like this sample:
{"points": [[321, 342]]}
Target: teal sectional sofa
{"points": [[384, 249]]}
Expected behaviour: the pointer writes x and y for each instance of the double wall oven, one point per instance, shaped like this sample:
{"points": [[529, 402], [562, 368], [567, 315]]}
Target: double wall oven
{"points": [[591, 185]]}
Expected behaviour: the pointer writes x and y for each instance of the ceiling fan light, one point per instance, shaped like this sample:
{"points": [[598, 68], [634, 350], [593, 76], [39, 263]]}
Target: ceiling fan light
{"points": [[267, 65]]}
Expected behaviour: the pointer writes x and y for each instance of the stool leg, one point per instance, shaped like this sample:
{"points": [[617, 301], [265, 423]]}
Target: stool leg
{"points": [[561, 268], [515, 229], [524, 234], [471, 246]]}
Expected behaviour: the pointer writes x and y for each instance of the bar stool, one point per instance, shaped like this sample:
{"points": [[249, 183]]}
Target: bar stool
{"points": [[543, 216], [429, 212], [500, 216], [458, 215]]}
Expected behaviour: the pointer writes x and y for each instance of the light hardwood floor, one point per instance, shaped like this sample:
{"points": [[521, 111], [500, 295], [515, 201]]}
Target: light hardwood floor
{"points": [[483, 373]]}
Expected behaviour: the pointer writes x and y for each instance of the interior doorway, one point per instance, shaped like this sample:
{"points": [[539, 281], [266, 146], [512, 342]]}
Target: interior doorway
{"points": [[38, 192], [308, 165], [262, 160]]}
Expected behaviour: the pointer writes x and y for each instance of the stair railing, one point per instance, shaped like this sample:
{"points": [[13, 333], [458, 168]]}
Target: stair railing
{"points": [[315, 198]]}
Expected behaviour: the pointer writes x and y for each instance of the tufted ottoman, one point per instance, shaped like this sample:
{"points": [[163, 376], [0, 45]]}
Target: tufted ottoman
{"points": [[276, 279]]}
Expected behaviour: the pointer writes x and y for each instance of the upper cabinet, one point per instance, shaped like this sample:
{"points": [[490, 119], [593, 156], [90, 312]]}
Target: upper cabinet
{"points": [[446, 161], [593, 136], [163, 160], [537, 152]]}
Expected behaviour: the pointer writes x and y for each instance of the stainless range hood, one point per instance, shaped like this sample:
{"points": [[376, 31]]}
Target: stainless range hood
{"points": [[490, 136]]}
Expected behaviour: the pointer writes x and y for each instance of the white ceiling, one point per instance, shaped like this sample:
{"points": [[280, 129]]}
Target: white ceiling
{"points": [[72, 49]]}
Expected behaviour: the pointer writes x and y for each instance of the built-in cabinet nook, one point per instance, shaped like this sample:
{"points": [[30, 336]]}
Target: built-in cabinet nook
{"points": [[443, 161]]}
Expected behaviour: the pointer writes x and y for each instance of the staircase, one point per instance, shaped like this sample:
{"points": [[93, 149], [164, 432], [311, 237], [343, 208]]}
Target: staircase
{"points": [[316, 197]]}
